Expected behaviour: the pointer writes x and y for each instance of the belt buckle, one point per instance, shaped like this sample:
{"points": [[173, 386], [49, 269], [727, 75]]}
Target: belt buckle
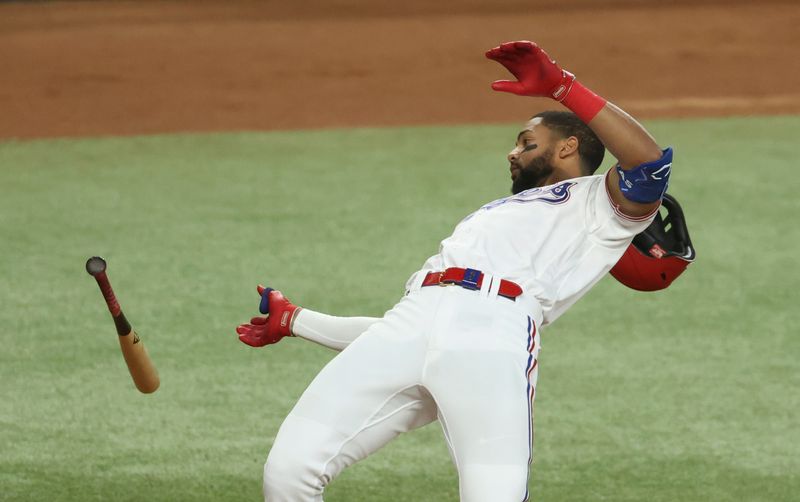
{"points": [[471, 278], [441, 279]]}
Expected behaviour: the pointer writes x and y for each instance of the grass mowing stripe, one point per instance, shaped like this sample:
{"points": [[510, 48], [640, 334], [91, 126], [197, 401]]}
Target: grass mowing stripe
{"points": [[685, 394]]}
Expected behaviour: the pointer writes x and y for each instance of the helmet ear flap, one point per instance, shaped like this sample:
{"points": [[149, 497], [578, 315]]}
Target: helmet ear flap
{"points": [[646, 273], [659, 254]]}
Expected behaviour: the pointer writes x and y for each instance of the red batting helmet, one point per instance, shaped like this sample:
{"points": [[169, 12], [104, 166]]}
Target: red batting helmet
{"points": [[657, 256]]}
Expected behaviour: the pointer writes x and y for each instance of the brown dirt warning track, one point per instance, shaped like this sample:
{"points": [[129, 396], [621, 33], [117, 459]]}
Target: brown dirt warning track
{"points": [[122, 68]]}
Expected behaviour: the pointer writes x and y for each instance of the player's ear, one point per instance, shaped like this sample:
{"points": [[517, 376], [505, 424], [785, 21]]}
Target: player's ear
{"points": [[567, 147]]}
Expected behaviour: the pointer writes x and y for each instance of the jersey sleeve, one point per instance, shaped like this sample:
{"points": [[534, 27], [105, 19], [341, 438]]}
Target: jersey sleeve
{"points": [[607, 225], [330, 331]]}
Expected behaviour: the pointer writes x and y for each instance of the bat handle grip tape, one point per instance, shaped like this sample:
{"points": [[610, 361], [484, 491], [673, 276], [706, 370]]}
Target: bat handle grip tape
{"points": [[108, 294]]}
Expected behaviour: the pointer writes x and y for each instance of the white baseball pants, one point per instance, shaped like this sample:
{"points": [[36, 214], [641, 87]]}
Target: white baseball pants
{"points": [[468, 358]]}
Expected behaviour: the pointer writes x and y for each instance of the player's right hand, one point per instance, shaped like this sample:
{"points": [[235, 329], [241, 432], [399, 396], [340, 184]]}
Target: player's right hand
{"points": [[262, 331], [536, 73]]}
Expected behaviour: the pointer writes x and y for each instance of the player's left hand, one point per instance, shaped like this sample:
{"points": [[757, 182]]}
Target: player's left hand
{"points": [[262, 331], [536, 73], [256, 333]]}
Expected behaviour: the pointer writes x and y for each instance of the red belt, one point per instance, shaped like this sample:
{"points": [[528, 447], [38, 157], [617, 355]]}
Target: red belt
{"points": [[470, 279]]}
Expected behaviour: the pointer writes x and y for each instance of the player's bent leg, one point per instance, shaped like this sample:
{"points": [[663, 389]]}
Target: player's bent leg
{"points": [[363, 398], [300, 465]]}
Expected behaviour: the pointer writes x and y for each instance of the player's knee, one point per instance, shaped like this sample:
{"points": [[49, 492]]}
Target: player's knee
{"points": [[302, 460], [288, 477], [495, 482]]}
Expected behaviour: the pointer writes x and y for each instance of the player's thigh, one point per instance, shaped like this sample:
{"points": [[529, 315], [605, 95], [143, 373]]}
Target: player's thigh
{"points": [[380, 364], [309, 452], [486, 416], [486, 409], [360, 400], [484, 392]]}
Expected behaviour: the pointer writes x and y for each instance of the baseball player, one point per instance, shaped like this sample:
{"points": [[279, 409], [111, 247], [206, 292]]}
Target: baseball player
{"points": [[467, 354]]}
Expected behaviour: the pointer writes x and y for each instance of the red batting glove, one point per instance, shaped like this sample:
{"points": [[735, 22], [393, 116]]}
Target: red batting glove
{"points": [[538, 75], [262, 331]]}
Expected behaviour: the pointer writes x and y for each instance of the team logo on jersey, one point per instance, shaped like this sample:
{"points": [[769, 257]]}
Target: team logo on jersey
{"points": [[554, 194]]}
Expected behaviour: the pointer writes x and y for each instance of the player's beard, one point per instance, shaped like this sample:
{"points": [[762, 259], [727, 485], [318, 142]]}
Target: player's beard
{"points": [[534, 173]]}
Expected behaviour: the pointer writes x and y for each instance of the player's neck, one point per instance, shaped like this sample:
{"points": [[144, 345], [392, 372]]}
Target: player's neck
{"points": [[557, 177], [560, 174]]}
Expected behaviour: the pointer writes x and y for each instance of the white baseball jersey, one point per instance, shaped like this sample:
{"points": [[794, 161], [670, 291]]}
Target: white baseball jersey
{"points": [[555, 241], [466, 358]]}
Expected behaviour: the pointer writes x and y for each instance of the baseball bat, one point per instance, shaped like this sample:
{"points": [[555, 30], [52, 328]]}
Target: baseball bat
{"points": [[141, 367]]}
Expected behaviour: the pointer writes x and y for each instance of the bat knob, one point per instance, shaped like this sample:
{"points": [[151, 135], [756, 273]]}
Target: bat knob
{"points": [[95, 265]]}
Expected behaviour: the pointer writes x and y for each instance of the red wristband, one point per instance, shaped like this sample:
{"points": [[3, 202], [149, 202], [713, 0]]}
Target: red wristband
{"points": [[583, 102]]}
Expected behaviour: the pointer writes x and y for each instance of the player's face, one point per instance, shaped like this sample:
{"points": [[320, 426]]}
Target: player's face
{"points": [[531, 160]]}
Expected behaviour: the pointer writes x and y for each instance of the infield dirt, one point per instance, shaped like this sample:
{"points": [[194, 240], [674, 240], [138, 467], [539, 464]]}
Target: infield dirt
{"points": [[121, 68]]}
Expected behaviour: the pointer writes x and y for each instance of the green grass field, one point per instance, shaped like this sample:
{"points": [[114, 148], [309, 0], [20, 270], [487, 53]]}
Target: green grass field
{"points": [[689, 394]]}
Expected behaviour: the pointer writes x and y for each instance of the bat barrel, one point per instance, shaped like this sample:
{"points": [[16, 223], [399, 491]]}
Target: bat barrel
{"points": [[141, 367]]}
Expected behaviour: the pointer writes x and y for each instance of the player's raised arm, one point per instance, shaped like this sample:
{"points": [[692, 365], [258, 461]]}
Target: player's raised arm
{"points": [[639, 181]]}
